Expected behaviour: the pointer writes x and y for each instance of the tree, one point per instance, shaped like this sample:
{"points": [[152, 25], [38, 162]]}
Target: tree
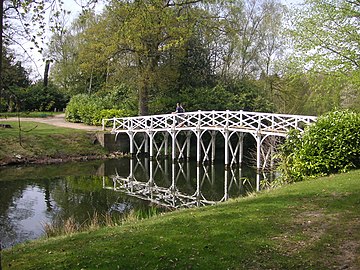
{"points": [[327, 42], [138, 37], [64, 49], [254, 33], [14, 78]]}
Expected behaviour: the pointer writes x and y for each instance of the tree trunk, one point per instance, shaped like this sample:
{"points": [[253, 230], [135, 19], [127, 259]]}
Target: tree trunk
{"points": [[1, 49], [46, 73]]}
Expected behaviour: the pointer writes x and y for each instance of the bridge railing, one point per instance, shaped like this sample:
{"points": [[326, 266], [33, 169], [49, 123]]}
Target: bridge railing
{"points": [[232, 120]]}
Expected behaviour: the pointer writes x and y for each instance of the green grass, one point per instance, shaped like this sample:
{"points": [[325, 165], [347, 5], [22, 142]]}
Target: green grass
{"points": [[307, 225], [28, 114], [42, 141]]}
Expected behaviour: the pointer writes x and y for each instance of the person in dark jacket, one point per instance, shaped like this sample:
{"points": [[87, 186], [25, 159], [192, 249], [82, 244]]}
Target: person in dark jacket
{"points": [[179, 109]]}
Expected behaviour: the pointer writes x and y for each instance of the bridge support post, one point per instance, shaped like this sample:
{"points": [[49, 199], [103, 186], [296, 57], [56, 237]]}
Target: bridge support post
{"points": [[198, 146], [226, 146], [146, 146], [241, 147], [273, 142], [166, 145], [258, 152], [131, 142], [213, 137], [173, 145], [131, 174], [226, 180], [188, 137], [151, 142]]}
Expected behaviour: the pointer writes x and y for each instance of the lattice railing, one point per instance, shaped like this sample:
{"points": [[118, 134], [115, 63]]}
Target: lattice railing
{"points": [[266, 123]]}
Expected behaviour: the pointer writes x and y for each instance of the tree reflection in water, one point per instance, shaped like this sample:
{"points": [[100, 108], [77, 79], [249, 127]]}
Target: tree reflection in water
{"points": [[34, 195]]}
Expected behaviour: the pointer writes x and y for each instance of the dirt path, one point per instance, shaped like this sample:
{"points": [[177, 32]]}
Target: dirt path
{"points": [[57, 120]]}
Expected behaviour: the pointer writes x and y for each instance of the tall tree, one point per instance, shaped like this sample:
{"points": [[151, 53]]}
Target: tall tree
{"points": [[14, 78], [327, 43], [139, 36], [254, 37], [64, 50]]}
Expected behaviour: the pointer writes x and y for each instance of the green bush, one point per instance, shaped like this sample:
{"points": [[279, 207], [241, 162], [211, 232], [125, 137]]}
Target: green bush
{"points": [[90, 109], [330, 145], [109, 113], [72, 112]]}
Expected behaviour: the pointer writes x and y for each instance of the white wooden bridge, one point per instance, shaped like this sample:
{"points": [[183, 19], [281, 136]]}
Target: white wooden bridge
{"points": [[159, 134]]}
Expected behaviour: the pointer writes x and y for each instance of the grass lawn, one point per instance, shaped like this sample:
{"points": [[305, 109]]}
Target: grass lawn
{"points": [[309, 225], [41, 141], [28, 114]]}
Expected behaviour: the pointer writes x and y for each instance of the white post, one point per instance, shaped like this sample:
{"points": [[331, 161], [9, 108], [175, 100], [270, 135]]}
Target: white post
{"points": [[131, 137], [258, 152], [198, 147], [188, 137], [197, 193], [272, 144], [146, 150], [173, 146], [226, 145], [226, 194], [241, 149], [213, 137], [151, 136], [258, 181], [131, 175], [166, 138]]}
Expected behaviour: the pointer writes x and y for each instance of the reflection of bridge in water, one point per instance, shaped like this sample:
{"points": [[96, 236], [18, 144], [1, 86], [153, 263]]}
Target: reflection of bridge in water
{"points": [[157, 134], [178, 188]]}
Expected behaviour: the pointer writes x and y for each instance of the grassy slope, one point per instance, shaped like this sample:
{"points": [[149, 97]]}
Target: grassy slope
{"points": [[44, 141], [308, 225]]}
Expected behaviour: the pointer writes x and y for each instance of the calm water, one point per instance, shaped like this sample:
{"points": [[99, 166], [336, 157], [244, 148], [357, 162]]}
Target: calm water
{"points": [[31, 196]]}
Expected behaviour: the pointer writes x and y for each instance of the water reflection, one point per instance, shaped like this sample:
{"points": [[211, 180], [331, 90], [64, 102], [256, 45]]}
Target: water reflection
{"points": [[34, 195], [182, 187]]}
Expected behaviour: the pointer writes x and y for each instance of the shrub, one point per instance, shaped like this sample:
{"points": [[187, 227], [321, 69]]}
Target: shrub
{"points": [[39, 98], [92, 109], [330, 145], [109, 113], [72, 112]]}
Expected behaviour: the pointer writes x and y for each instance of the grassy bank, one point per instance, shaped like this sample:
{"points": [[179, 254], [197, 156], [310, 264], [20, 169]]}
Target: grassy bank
{"points": [[42, 142], [28, 114], [308, 225]]}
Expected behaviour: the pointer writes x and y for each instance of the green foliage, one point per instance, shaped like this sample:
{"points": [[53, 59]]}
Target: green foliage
{"points": [[40, 98], [83, 108], [330, 145], [325, 35], [91, 109], [240, 95], [109, 113]]}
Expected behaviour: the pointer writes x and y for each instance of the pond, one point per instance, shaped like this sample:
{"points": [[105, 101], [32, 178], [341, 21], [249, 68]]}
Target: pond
{"points": [[32, 196]]}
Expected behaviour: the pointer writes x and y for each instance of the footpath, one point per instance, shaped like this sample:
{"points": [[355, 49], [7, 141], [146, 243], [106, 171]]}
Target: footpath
{"points": [[57, 120]]}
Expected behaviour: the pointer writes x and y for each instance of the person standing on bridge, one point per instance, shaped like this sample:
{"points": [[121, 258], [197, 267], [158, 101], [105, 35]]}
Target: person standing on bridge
{"points": [[179, 109]]}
